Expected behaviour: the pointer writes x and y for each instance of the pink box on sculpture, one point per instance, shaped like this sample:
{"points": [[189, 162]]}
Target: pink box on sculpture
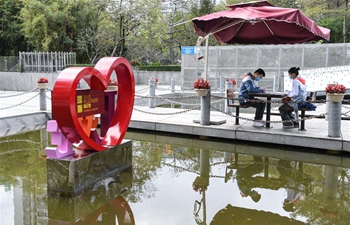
{"points": [[57, 138], [51, 126]]}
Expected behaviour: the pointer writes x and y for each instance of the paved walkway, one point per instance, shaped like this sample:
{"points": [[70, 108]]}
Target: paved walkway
{"points": [[16, 117]]}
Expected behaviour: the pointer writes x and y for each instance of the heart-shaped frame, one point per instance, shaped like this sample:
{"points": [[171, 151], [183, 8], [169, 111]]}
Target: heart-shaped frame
{"points": [[64, 101]]}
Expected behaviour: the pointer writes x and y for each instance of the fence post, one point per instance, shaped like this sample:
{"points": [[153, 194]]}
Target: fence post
{"points": [[327, 109], [222, 84], [152, 93], [229, 86], [56, 62], [19, 68], [6, 65], [275, 83], [172, 84]]}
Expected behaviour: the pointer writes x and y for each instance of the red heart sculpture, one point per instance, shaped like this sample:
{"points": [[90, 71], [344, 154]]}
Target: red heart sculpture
{"points": [[64, 102]]}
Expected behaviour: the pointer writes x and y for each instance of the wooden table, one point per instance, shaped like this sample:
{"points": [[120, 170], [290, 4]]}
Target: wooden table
{"points": [[268, 96]]}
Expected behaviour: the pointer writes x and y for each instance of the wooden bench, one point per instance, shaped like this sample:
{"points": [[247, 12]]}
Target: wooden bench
{"points": [[231, 103], [310, 96], [302, 118]]}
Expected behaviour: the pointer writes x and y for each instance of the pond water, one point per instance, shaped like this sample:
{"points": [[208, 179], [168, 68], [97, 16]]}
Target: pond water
{"points": [[178, 180]]}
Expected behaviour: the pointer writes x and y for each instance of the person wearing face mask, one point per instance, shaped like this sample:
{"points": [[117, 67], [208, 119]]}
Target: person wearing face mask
{"points": [[296, 95], [248, 86]]}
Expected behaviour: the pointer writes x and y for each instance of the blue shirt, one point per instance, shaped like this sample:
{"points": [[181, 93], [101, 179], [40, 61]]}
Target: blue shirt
{"points": [[247, 86]]}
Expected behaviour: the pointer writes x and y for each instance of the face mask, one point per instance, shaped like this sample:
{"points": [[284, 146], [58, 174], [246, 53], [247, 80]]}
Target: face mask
{"points": [[257, 79], [290, 77]]}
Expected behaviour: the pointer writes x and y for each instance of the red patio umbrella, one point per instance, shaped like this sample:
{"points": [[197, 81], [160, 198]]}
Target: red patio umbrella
{"points": [[259, 23]]}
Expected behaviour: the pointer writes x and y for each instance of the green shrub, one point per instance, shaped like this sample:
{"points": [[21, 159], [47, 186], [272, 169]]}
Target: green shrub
{"points": [[145, 68], [155, 63], [165, 62], [80, 65], [135, 62], [161, 68]]}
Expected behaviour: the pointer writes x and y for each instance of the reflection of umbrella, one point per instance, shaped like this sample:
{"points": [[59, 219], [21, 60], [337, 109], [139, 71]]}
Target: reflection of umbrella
{"points": [[237, 215], [259, 23]]}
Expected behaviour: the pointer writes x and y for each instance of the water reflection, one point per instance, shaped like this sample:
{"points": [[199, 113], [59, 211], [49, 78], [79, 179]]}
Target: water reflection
{"points": [[178, 180], [100, 203], [240, 184]]}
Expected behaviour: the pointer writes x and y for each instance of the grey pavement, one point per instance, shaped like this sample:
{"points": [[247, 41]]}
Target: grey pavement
{"points": [[20, 112]]}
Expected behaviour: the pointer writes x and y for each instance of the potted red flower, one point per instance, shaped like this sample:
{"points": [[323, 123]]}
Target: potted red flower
{"points": [[201, 86], [155, 80], [234, 82], [335, 92], [112, 84], [42, 82]]}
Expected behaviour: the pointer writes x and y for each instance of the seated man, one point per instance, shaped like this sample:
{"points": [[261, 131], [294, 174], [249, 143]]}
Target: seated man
{"points": [[247, 86], [244, 176]]}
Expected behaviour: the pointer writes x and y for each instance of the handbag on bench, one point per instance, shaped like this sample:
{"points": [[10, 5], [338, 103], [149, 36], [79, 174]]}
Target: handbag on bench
{"points": [[286, 99]]}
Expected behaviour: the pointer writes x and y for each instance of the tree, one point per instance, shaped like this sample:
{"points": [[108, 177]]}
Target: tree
{"points": [[135, 29], [60, 25], [332, 14], [173, 18], [11, 39], [47, 26], [206, 7], [97, 32]]}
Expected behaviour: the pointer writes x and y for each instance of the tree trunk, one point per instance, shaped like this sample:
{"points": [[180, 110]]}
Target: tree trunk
{"points": [[344, 24], [171, 40]]}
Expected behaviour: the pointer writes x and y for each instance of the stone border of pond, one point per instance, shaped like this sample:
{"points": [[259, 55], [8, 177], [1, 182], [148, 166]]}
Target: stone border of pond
{"points": [[25, 118]]}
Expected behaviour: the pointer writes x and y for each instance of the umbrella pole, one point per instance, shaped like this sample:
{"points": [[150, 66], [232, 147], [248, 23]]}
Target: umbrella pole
{"points": [[206, 56], [205, 101]]}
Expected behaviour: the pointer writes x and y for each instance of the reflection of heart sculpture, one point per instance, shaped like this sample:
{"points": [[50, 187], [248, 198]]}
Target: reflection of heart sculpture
{"points": [[73, 110]]}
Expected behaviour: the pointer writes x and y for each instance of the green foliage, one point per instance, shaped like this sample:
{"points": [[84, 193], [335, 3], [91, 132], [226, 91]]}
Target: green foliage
{"points": [[49, 26], [95, 29], [11, 39], [80, 65], [165, 61], [206, 7], [161, 68], [135, 62], [336, 26], [156, 63]]}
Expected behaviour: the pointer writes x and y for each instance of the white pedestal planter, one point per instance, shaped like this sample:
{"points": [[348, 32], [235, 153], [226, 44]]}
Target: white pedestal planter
{"points": [[201, 92], [336, 97], [112, 88], [42, 85]]}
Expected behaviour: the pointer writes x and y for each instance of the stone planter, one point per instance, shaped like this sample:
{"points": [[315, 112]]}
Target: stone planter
{"points": [[112, 88], [336, 97], [201, 92], [42, 85]]}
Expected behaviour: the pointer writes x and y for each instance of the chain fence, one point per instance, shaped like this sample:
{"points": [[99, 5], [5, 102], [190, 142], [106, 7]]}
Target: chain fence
{"points": [[18, 94], [177, 100], [181, 100], [21, 103]]}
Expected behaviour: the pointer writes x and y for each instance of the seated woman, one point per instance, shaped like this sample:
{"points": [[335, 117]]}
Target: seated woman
{"points": [[296, 95]]}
